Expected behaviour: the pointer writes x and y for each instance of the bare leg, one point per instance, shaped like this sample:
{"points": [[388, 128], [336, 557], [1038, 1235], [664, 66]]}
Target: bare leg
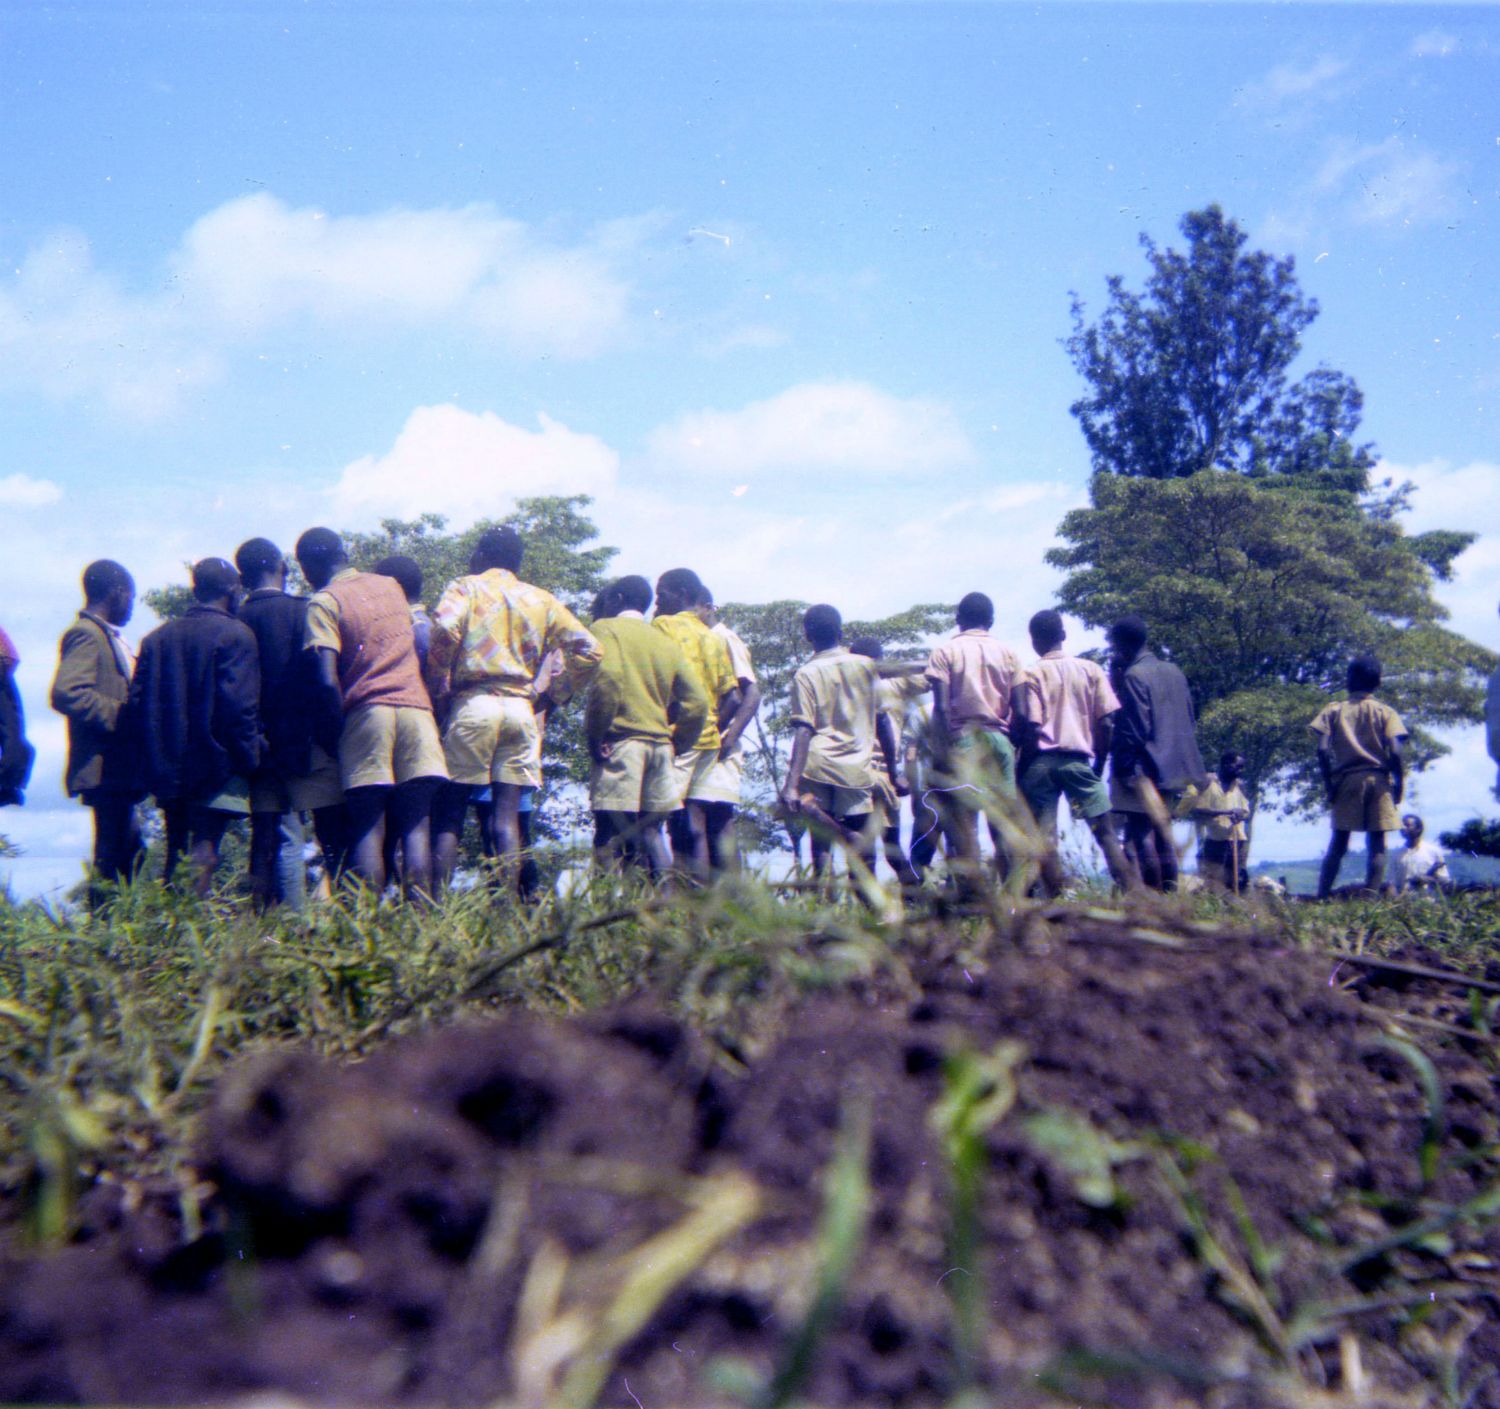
{"points": [[265, 850], [723, 848], [449, 809], [175, 815], [411, 815], [652, 843], [690, 839], [367, 834], [505, 812], [206, 831], [1338, 844], [1119, 869], [1374, 861], [1141, 839], [331, 827]]}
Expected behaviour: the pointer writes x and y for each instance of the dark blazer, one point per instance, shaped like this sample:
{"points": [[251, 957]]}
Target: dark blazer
{"points": [[90, 690], [193, 718], [279, 622], [1154, 730]]}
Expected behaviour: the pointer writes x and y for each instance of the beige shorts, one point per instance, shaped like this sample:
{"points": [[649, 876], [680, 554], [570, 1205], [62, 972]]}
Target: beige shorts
{"points": [[387, 744], [836, 801], [1362, 802], [694, 768], [319, 787], [638, 776], [721, 780], [494, 739]]}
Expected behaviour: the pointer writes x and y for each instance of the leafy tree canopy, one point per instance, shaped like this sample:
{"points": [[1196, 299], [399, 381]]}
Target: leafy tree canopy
{"points": [[1476, 837], [1192, 373], [1262, 590]]}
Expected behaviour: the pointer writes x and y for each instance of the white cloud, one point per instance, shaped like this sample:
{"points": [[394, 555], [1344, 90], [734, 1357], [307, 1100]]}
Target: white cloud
{"points": [[1462, 497], [1296, 83], [817, 426], [256, 267], [23, 492], [1398, 182], [468, 467], [1434, 44]]}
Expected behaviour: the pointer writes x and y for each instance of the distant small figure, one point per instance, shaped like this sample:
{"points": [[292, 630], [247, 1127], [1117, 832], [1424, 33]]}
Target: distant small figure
{"points": [[1359, 754], [1220, 810], [1420, 864]]}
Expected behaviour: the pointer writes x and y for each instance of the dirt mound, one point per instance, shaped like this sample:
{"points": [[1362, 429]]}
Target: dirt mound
{"points": [[1200, 1171]]}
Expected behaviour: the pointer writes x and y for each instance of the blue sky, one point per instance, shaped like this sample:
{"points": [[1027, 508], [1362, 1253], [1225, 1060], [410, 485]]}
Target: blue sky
{"points": [[782, 282]]}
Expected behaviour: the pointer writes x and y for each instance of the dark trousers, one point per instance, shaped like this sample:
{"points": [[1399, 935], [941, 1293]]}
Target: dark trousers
{"points": [[117, 833]]}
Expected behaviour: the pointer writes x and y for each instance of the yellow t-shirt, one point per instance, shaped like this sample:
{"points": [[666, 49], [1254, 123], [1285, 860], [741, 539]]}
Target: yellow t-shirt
{"points": [[1214, 797], [708, 658], [1360, 731]]}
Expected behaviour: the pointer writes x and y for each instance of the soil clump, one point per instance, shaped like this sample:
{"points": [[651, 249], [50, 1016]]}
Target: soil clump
{"points": [[1199, 1164]]}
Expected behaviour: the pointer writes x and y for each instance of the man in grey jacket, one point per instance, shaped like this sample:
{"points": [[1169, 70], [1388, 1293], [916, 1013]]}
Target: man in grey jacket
{"points": [[89, 690]]}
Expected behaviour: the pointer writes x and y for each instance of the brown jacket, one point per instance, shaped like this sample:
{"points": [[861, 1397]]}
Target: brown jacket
{"points": [[90, 690]]}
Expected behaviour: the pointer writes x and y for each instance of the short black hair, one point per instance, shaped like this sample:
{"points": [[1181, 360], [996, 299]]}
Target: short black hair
{"points": [[1412, 817], [632, 594], [867, 646], [214, 578], [1364, 675], [102, 578], [1130, 632], [1231, 756], [499, 548], [319, 546], [682, 582], [406, 571], [822, 625], [975, 610], [606, 603], [705, 597], [1046, 626], [256, 557]]}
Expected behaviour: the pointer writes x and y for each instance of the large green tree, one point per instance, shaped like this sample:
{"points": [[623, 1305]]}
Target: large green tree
{"points": [[1233, 508]]}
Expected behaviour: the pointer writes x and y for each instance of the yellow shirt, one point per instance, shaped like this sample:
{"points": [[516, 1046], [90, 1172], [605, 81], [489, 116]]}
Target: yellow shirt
{"points": [[1214, 797], [834, 695], [492, 631], [708, 659], [1360, 731]]}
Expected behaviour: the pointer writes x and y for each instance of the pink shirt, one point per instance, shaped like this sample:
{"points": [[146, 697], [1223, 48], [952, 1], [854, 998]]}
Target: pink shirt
{"points": [[980, 673], [1065, 696]]}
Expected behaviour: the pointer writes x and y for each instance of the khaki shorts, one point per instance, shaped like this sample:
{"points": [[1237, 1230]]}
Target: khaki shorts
{"points": [[1362, 802], [319, 787], [233, 797], [494, 739], [721, 781], [836, 801], [694, 770], [638, 776], [383, 745]]}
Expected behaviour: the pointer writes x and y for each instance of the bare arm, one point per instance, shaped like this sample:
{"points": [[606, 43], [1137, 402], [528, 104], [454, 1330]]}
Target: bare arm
{"points": [[1395, 762], [1325, 764], [327, 701], [791, 791], [1104, 734], [940, 703], [885, 733], [740, 720], [729, 705]]}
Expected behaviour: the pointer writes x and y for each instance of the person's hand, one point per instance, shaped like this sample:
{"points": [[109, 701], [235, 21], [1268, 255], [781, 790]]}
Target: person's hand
{"points": [[791, 799], [1239, 815], [903, 788], [728, 747], [601, 750]]}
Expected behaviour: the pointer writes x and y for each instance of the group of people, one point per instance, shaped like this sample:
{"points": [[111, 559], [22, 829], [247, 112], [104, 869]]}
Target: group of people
{"points": [[388, 724]]}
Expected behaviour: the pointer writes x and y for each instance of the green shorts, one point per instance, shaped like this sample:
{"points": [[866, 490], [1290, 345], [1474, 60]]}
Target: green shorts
{"points": [[1056, 774], [983, 757]]}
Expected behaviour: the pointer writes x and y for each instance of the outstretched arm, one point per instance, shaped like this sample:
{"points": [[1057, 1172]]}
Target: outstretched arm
{"points": [[739, 721]]}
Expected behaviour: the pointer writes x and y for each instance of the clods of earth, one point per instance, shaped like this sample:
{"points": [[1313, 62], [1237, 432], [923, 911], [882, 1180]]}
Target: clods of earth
{"points": [[1114, 1172]]}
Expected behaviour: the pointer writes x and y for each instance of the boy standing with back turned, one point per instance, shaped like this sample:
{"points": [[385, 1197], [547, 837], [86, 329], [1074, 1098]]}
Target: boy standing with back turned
{"points": [[1359, 755]]}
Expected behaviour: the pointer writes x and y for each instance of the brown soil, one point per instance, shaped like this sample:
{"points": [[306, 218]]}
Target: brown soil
{"points": [[416, 1229]]}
